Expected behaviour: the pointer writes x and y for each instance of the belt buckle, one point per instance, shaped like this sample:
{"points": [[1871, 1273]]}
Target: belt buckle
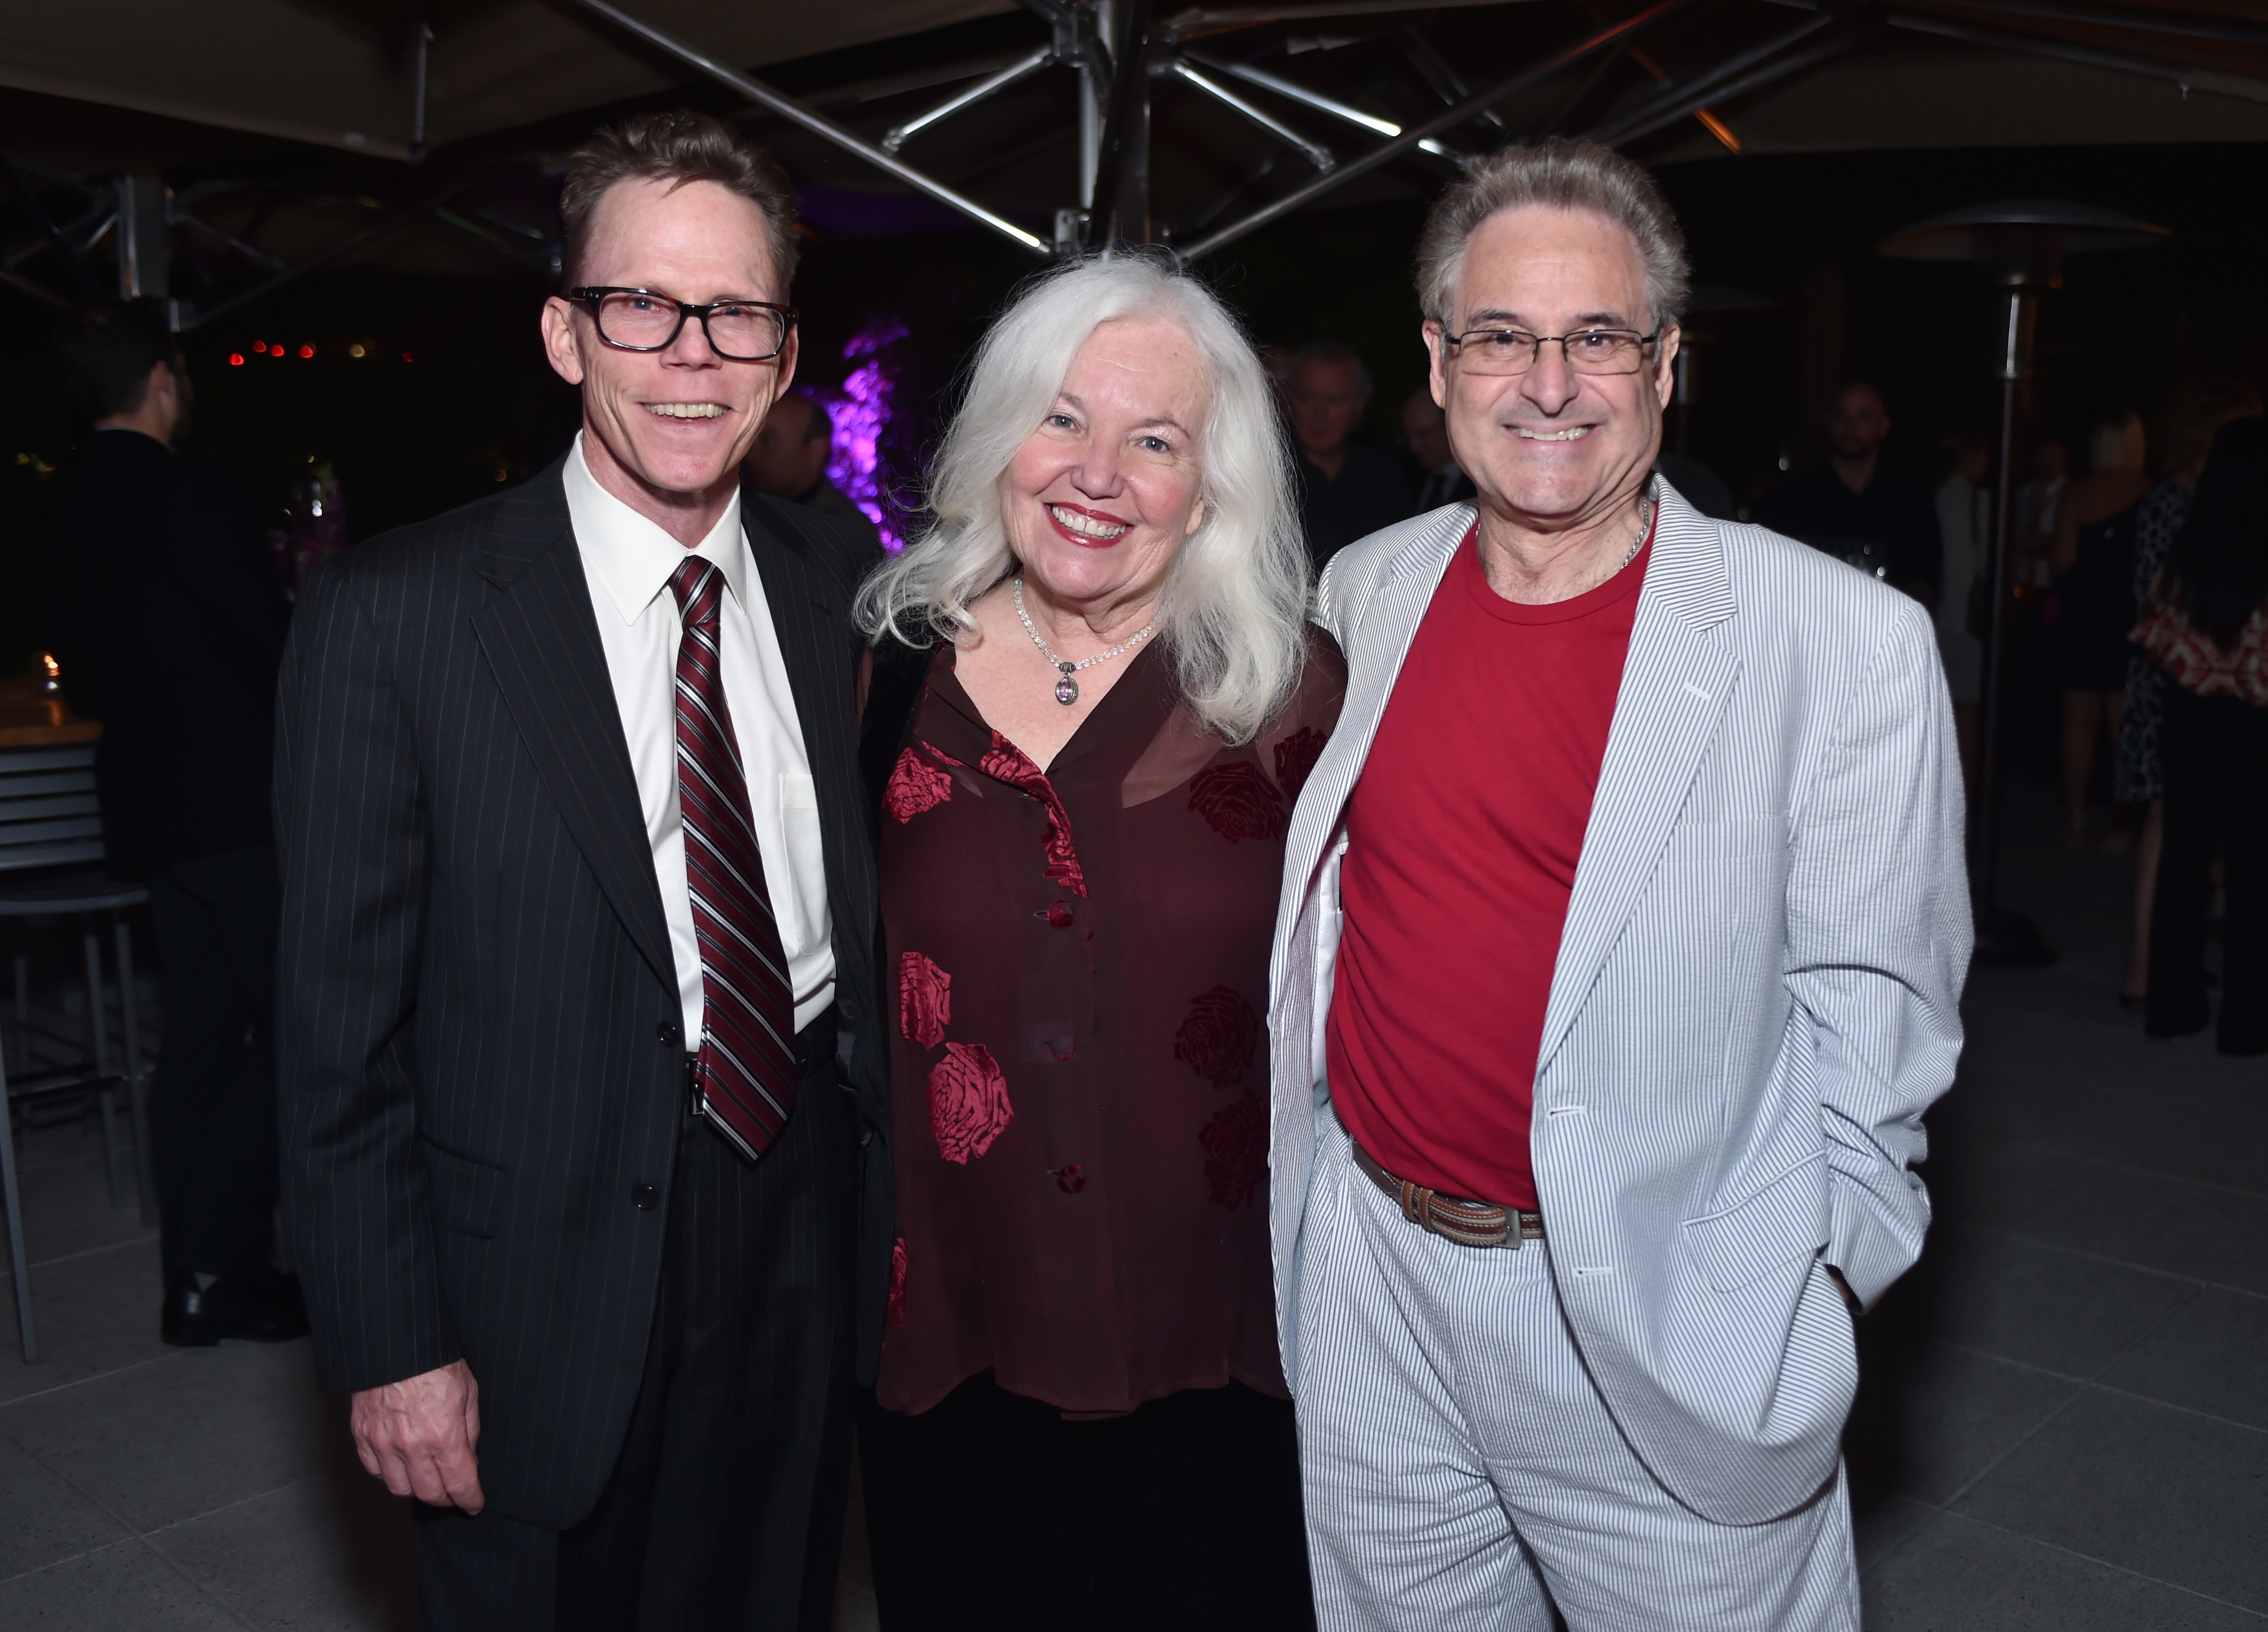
{"points": [[1440, 1214]]}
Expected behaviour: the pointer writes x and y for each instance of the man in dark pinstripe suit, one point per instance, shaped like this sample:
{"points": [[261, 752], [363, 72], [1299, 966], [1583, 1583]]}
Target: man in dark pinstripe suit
{"points": [[583, 1095]]}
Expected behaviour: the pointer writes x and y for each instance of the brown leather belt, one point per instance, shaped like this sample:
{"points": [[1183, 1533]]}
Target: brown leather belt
{"points": [[1468, 1223]]}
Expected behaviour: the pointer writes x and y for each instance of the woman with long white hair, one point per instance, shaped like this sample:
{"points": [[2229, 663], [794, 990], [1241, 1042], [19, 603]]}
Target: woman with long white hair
{"points": [[1080, 1417]]}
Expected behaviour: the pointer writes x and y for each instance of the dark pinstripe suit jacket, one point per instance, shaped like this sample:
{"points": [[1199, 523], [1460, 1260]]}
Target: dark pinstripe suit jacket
{"points": [[480, 1059]]}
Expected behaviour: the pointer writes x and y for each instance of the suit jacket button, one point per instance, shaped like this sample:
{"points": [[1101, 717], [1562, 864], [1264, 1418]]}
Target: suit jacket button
{"points": [[644, 1197], [667, 1034]]}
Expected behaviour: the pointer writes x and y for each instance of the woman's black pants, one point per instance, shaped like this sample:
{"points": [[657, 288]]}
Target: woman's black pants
{"points": [[990, 1512], [2216, 759]]}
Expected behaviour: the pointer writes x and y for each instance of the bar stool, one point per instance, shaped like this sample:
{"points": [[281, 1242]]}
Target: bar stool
{"points": [[51, 865]]}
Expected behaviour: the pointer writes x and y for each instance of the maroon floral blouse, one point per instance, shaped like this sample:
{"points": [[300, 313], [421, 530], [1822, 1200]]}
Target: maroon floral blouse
{"points": [[1079, 1074]]}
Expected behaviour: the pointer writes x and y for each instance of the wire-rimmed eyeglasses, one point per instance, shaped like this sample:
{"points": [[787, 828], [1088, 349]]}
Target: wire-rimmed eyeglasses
{"points": [[638, 320], [1515, 350]]}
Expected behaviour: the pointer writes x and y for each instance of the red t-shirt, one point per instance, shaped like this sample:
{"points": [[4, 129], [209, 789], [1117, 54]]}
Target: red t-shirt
{"points": [[1465, 829]]}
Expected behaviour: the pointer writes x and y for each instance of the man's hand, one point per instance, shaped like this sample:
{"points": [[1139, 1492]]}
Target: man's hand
{"points": [[418, 1435]]}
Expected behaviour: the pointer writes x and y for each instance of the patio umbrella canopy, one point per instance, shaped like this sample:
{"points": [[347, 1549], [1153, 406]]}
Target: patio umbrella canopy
{"points": [[275, 136]]}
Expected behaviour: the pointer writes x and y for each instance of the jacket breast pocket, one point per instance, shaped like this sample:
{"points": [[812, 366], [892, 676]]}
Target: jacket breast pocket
{"points": [[460, 1192], [1787, 1218]]}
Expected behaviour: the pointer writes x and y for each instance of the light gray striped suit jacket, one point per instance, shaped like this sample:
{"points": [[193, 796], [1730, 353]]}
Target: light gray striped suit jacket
{"points": [[1756, 996]]}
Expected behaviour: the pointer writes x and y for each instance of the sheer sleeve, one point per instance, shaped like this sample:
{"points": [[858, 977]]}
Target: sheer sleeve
{"points": [[1291, 743]]}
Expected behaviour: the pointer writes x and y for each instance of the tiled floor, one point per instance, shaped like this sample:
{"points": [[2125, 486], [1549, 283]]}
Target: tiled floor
{"points": [[2063, 1424]]}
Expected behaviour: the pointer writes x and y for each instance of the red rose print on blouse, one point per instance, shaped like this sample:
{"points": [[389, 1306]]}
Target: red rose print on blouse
{"points": [[1217, 1038], [924, 999], [1007, 762], [967, 1102], [1236, 1151], [896, 1317], [1239, 802], [1295, 758], [916, 785]]}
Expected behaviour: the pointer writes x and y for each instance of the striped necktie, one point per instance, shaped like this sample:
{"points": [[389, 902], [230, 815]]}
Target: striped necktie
{"points": [[746, 1069]]}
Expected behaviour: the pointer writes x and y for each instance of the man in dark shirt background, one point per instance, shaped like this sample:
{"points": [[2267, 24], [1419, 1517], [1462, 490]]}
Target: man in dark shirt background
{"points": [[789, 459], [1425, 433], [1348, 490], [1880, 521], [159, 600]]}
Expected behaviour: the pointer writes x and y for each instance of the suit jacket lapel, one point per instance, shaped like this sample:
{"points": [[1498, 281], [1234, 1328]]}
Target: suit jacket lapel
{"points": [[542, 640], [1374, 639], [1676, 680]]}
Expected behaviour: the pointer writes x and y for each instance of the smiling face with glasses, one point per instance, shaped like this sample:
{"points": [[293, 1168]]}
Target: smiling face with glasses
{"points": [[678, 337], [1553, 376]]}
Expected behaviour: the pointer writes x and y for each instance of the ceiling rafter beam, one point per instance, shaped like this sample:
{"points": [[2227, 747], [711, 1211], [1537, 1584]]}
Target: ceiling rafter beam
{"points": [[47, 228], [787, 108], [1315, 153], [1447, 119], [393, 223], [1679, 99], [2235, 30], [2188, 76], [969, 96]]}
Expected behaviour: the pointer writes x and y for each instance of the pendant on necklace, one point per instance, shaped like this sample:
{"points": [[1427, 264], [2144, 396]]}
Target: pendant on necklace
{"points": [[1066, 688]]}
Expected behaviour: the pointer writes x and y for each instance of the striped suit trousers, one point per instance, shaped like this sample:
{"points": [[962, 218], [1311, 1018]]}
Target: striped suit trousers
{"points": [[1462, 1473]]}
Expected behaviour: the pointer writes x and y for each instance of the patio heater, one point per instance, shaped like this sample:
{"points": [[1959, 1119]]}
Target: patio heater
{"points": [[2020, 247]]}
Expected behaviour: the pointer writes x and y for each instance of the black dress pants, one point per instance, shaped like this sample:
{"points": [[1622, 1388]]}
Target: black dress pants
{"points": [[990, 1512], [212, 1107], [2216, 759], [724, 1509]]}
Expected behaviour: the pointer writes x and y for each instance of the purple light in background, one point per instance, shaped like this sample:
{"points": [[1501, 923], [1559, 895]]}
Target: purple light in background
{"points": [[861, 413]]}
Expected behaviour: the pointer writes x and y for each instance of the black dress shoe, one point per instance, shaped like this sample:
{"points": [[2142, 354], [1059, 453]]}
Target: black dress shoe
{"points": [[259, 1303]]}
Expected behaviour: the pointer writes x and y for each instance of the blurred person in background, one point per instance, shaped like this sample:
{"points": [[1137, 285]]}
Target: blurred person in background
{"points": [[2039, 501], [1425, 433], [1854, 508], [2207, 626], [2093, 558], [1081, 1418], [1696, 484], [158, 597], [789, 460], [1965, 525], [1348, 488], [2137, 771]]}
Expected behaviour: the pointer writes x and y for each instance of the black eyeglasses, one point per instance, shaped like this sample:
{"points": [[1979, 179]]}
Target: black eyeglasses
{"points": [[638, 320], [1514, 351]]}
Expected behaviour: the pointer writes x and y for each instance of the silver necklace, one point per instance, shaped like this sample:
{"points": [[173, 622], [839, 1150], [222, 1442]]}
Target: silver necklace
{"points": [[1645, 530], [1066, 688]]}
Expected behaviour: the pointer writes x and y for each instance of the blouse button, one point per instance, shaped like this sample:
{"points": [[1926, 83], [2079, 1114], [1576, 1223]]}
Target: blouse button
{"points": [[1072, 1179]]}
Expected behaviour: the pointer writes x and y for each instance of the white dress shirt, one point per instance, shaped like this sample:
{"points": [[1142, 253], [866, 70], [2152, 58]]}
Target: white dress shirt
{"points": [[627, 561]]}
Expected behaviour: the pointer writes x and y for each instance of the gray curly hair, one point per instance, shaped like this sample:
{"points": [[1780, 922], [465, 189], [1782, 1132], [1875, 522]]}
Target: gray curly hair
{"points": [[1556, 174]]}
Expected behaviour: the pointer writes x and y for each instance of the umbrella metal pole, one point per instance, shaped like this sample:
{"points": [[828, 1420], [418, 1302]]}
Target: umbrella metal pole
{"points": [[2005, 937], [1986, 829]]}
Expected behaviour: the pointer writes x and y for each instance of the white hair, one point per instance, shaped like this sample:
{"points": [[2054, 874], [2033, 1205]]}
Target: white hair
{"points": [[1233, 614]]}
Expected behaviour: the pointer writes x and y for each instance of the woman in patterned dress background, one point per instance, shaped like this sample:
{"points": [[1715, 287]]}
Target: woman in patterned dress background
{"points": [[1080, 1417], [2138, 773]]}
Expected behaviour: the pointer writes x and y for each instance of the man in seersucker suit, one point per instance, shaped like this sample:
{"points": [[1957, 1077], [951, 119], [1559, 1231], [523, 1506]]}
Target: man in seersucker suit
{"points": [[1624, 928], [582, 1076]]}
